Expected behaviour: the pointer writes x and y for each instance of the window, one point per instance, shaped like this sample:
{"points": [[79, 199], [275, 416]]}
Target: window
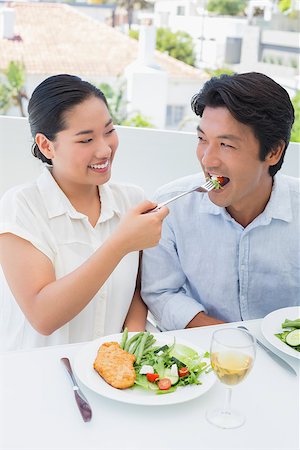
{"points": [[175, 114], [180, 10]]}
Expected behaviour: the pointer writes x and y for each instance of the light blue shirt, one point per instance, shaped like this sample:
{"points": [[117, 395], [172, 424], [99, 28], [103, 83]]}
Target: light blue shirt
{"points": [[206, 261]]}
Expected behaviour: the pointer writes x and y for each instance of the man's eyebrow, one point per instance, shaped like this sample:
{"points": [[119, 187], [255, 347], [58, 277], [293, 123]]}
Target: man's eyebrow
{"points": [[91, 131], [232, 137]]}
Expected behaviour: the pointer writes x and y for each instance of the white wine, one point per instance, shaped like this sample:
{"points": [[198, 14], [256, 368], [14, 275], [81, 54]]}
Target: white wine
{"points": [[231, 367]]}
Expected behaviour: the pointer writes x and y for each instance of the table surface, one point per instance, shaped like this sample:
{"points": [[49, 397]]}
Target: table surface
{"points": [[38, 410]]}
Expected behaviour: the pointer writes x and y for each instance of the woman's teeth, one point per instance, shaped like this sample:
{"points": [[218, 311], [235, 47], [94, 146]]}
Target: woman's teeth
{"points": [[99, 166]]}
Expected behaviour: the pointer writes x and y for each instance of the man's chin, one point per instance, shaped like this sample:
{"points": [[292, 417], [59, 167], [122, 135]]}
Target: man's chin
{"points": [[218, 200]]}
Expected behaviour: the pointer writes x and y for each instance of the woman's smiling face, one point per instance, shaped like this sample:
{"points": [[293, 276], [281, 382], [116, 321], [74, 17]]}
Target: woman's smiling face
{"points": [[230, 149], [83, 152]]}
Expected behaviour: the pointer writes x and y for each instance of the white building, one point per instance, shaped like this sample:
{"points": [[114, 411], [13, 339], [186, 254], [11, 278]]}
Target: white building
{"points": [[269, 45]]}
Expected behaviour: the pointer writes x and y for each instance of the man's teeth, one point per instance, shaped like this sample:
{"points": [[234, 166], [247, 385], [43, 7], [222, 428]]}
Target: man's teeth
{"points": [[99, 166]]}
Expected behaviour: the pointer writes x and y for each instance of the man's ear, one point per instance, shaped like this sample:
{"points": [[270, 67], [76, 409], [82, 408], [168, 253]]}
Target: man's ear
{"points": [[275, 154], [45, 146]]}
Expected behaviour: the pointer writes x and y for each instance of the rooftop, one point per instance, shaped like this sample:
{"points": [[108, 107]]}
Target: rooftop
{"points": [[55, 38]]}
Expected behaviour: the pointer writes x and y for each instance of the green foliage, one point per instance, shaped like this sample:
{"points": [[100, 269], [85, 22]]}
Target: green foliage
{"points": [[227, 7], [5, 98], [134, 34], [179, 45], [219, 71], [138, 121], [117, 107], [295, 137], [115, 100], [284, 5], [12, 87]]}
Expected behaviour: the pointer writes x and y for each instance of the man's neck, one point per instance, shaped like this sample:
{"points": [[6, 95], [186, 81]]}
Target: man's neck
{"points": [[244, 216]]}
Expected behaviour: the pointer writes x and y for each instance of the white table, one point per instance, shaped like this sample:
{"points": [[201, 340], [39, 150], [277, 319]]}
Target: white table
{"points": [[38, 410]]}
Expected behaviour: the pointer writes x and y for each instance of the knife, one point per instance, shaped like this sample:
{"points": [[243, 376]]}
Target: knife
{"points": [[82, 403], [277, 358]]}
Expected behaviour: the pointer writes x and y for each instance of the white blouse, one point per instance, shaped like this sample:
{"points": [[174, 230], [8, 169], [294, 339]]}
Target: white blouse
{"points": [[42, 214]]}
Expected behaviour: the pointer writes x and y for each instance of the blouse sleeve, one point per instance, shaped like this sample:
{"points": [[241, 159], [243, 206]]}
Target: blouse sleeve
{"points": [[20, 217]]}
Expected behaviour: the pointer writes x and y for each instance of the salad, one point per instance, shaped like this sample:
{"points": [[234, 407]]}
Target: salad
{"points": [[291, 333], [218, 181], [163, 368]]}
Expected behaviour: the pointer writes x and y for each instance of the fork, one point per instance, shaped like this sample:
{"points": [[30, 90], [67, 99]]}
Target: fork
{"points": [[206, 187]]}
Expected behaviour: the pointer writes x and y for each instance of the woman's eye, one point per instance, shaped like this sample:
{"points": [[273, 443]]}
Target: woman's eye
{"points": [[111, 131], [86, 141]]}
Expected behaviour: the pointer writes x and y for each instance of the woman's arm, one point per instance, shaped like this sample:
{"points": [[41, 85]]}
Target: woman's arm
{"points": [[49, 303], [137, 313]]}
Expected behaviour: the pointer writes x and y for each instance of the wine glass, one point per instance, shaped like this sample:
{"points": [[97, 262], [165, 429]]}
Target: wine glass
{"points": [[232, 355]]}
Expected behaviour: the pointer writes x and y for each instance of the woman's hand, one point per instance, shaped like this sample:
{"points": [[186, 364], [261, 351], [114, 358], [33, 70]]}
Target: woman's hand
{"points": [[138, 230]]}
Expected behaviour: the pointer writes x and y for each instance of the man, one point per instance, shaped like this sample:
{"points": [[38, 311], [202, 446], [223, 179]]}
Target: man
{"points": [[232, 254]]}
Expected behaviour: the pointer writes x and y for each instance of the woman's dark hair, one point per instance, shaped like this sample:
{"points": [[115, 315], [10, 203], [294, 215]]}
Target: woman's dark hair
{"points": [[254, 100], [51, 100]]}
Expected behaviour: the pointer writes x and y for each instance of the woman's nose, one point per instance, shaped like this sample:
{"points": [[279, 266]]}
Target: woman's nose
{"points": [[103, 149]]}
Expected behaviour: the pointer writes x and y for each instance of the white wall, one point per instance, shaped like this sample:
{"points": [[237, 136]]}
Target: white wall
{"points": [[145, 157]]}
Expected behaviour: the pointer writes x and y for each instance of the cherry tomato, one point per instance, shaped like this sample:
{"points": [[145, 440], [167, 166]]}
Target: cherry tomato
{"points": [[164, 384], [221, 180], [152, 377], [183, 372]]}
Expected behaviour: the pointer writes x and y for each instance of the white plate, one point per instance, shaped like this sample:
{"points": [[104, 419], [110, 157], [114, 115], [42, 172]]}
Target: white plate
{"points": [[83, 367], [271, 324]]}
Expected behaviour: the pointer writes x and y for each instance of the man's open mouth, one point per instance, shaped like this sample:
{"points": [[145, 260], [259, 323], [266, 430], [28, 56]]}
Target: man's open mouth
{"points": [[221, 179]]}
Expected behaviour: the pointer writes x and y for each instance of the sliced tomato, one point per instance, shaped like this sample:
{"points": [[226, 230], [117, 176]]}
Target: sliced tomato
{"points": [[183, 372], [152, 377], [221, 180], [164, 384]]}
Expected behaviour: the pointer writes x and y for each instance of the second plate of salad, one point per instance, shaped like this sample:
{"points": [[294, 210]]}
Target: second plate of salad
{"points": [[187, 367], [273, 330]]}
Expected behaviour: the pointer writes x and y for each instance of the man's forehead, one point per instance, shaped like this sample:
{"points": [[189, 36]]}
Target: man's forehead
{"points": [[223, 123]]}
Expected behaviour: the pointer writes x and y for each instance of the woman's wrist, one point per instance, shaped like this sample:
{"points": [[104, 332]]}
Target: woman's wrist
{"points": [[117, 245]]}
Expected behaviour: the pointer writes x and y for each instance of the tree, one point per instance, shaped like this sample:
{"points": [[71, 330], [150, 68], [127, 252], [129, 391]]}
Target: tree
{"points": [[137, 121], [295, 137], [115, 100], [219, 71], [227, 7], [12, 87], [130, 6], [117, 107], [179, 45], [284, 5]]}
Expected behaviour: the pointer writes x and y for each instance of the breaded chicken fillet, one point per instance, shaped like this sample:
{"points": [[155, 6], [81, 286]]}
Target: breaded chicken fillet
{"points": [[115, 365]]}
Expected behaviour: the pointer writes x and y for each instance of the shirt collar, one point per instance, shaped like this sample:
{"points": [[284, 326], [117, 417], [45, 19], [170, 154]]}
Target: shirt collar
{"points": [[57, 203], [278, 207], [280, 204]]}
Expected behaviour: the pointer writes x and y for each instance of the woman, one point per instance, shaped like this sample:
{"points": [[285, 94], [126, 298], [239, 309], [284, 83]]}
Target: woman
{"points": [[69, 241]]}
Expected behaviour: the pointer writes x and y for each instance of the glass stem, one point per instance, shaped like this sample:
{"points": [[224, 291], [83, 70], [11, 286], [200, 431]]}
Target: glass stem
{"points": [[227, 405]]}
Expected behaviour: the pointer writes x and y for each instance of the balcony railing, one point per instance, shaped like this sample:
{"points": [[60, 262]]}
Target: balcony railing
{"points": [[146, 157]]}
